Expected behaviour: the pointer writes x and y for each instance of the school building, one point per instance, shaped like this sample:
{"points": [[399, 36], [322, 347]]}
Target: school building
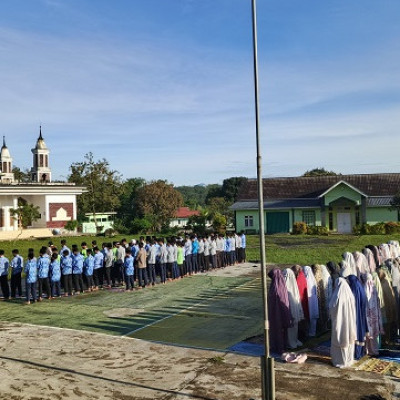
{"points": [[56, 201], [336, 202]]}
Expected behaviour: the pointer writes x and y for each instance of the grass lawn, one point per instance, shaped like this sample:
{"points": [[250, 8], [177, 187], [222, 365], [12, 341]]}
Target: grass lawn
{"points": [[307, 250]]}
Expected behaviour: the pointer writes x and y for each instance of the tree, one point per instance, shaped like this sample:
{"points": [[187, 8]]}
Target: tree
{"points": [[231, 186], [26, 213], [21, 176], [198, 223], [158, 202], [213, 190], [218, 205], [319, 172], [193, 196], [104, 186], [127, 211], [219, 223]]}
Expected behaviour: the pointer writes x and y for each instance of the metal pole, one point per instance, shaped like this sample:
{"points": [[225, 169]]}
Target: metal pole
{"points": [[268, 374]]}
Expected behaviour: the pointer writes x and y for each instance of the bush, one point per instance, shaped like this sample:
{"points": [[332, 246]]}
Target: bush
{"points": [[392, 227], [299, 228], [380, 228], [358, 230], [71, 225], [377, 229], [317, 230]]}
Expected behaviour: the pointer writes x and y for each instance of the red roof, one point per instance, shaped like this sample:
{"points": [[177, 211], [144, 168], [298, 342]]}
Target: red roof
{"points": [[186, 212]]}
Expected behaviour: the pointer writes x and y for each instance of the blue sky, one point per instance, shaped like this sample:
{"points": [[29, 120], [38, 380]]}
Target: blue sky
{"points": [[163, 89]]}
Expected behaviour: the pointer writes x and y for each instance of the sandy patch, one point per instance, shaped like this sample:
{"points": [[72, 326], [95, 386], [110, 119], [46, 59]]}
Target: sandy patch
{"points": [[51, 363]]}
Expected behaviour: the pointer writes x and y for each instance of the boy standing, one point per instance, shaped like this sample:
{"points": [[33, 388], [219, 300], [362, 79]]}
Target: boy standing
{"points": [[30, 277], [142, 264], [55, 275], [16, 264], [88, 265], [4, 264], [152, 263], [77, 269], [43, 265], [66, 269], [129, 269], [97, 268]]}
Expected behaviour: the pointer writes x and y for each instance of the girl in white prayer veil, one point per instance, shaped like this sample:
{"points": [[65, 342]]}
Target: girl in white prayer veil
{"points": [[342, 311], [312, 300], [361, 263], [374, 316], [295, 307], [349, 264], [328, 285], [394, 248], [385, 252], [370, 258]]}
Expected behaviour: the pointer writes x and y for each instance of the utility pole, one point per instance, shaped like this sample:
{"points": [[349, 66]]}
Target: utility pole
{"points": [[267, 363]]}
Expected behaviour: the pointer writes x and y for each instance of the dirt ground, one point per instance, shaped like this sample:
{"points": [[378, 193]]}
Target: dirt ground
{"points": [[39, 363]]}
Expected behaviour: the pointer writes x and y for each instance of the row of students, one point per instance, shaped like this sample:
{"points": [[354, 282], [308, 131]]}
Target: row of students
{"points": [[115, 264]]}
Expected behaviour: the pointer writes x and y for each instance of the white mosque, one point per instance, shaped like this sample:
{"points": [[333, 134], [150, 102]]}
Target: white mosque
{"points": [[56, 201]]}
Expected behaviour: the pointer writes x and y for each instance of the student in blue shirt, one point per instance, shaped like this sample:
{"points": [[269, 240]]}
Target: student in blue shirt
{"points": [[17, 264], [77, 269], [66, 269], [55, 275], [88, 265], [64, 247], [43, 264], [4, 264], [243, 248], [195, 250], [129, 269], [31, 277], [98, 268]]}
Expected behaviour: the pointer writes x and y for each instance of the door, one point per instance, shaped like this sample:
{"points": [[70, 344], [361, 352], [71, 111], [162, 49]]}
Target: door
{"points": [[344, 222], [277, 222]]}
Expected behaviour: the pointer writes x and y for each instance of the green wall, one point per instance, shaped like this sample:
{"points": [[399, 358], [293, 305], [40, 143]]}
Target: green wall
{"points": [[342, 190], [380, 214], [374, 215]]}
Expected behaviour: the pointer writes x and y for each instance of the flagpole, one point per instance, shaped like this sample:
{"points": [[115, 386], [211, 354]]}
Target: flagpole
{"points": [[267, 363]]}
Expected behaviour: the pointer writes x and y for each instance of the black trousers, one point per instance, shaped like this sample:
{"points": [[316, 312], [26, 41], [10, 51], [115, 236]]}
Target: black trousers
{"points": [[89, 281], [78, 282], [116, 272], [142, 277], [98, 276], [107, 275], [56, 289], [4, 286], [151, 269], [67, 282], [16, 284], [44, 286], [206, 262], [129, 282]]}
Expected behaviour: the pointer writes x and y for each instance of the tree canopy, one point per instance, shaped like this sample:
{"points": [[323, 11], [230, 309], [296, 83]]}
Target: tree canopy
{"points": [[319, 172], [158, 201], [104, 186]]}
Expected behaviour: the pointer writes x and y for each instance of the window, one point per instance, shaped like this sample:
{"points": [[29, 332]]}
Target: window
{"points": [[248, 221], [331, 221], [309, 217]]}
